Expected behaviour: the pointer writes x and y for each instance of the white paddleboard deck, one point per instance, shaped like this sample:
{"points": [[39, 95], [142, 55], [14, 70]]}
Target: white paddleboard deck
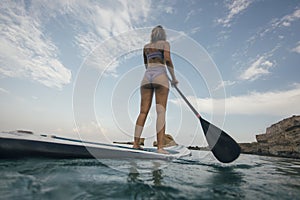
{"points": [[18, 144]]}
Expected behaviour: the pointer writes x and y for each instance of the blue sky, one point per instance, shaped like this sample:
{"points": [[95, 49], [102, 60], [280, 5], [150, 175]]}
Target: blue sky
{"points": [[69, 67]]}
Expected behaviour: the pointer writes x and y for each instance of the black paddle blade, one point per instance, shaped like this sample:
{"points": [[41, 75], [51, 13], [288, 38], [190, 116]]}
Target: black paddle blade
{"points": [[224, 148]]}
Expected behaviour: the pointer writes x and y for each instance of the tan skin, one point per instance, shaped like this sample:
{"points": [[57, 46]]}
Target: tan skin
{"points": [[160, 87]]}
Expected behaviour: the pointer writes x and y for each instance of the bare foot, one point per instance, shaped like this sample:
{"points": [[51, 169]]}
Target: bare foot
{"points": [[162, 151], [137, 147]]}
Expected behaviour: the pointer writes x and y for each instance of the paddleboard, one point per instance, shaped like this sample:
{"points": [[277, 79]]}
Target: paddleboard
{"points": [[20, 144]]}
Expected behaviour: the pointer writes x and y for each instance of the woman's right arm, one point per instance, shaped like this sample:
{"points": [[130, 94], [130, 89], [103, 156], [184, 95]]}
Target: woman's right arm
{"points": [[145, 58], [169, 63]]}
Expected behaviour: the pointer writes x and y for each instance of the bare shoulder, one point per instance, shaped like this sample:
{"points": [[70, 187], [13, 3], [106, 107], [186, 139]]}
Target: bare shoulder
{"points": [[162, 45], [166, 45], [162, 42], [165, 42], [148, 45]]}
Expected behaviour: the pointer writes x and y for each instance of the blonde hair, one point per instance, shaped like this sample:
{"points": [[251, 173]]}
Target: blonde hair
{"points": [[158, 33]]}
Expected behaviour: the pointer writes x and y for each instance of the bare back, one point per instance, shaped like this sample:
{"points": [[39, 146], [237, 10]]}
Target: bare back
{"points": [[161, 46]]}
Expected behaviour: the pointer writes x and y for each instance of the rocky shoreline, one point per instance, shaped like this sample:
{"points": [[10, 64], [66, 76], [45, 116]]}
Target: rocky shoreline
{"points": [[281, 139]]}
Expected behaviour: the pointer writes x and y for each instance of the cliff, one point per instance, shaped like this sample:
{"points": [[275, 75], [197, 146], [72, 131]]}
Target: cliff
{"points": [[280, 139]]}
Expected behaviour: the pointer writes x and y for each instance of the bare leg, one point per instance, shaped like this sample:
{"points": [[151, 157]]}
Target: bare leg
{"points": [[161, 97], [146, 100]]}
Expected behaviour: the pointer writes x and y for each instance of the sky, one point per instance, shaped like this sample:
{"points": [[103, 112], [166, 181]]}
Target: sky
{"points": [[73, 68]]}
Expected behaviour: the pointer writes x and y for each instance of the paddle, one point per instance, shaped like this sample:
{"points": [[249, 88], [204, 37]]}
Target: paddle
{"points": [[224, 148]]}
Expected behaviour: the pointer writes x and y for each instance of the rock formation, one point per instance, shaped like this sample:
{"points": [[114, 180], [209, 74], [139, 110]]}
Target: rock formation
{"points": [[280, 139]]}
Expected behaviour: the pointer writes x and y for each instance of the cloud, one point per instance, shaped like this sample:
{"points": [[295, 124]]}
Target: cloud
{"points": [[297, 48], [275, 103], [283, 22], [26, 52], [193, 12], [194, 30], [90, 130], [103, 23], [288, 19], [235, 7], [4, 91], [257, 69], [169, 10], [224, 84], [189, 15], [106, 56]]}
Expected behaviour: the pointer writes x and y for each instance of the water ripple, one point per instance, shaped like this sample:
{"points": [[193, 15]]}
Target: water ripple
{"points": [[199, 177]]}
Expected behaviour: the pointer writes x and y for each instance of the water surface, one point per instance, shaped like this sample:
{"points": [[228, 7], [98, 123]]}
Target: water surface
{"points": [[198, 177]]}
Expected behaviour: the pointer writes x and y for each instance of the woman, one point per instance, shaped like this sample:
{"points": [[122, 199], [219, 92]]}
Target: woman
{"points": [[156, 58]]}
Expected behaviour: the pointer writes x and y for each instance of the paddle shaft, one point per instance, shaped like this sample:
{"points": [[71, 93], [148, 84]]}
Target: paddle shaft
{"points": [[187, 102], [224, 148]]}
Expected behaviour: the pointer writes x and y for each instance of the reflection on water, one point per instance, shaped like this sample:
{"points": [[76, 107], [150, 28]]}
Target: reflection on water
{"points": [[226, 182], [250, 177], [135, 165], [135, 177], [226, 175], [157, 177]]}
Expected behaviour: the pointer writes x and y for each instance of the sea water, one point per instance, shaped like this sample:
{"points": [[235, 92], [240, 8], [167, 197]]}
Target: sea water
{"points": [[198, 177]]}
